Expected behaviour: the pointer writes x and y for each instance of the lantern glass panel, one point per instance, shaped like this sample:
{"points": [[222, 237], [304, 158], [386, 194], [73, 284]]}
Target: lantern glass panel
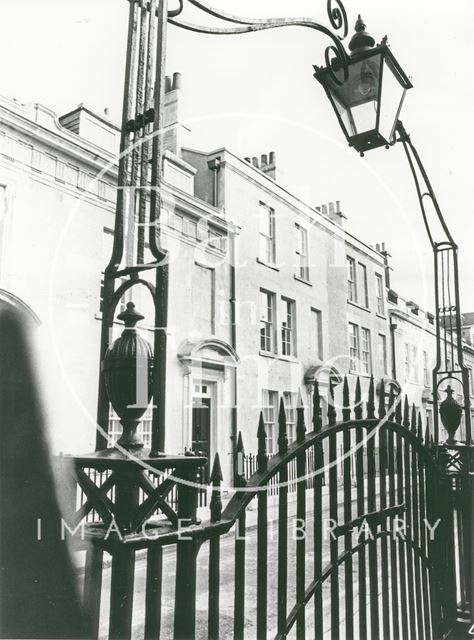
{"points": [[391, 99], [356, 100]]}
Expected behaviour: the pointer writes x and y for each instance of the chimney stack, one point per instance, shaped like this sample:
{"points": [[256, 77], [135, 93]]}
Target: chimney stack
{"points": [[383, 252], [176, 86], [174, 130], [266, 164], [333, 211], [269, 165]]}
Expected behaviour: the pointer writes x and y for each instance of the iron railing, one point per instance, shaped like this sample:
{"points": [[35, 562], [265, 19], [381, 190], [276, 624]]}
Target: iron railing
{"points": [[366, 565]]}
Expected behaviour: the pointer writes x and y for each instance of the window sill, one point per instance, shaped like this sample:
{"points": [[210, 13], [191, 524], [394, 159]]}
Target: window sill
{"points": [[307, 282], [267, 264], [277, 356], [358, 306], [360, 374]]}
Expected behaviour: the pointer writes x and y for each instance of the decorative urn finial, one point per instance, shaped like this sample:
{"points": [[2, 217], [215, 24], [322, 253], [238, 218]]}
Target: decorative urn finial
{"points": [[361, 40], [451, 412], [128, 370]]}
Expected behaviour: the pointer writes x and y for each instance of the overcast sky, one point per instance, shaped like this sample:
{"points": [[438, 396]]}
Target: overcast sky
{"points": [[255, 93]]}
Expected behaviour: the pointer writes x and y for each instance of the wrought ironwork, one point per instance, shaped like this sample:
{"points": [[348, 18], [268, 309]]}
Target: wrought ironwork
{"points": [[449, 367], [139, 199], [383, 489]]}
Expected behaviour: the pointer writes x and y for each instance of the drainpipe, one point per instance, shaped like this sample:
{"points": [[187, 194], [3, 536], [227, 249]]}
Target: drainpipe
{"points": [[215, 166], [233, 341], [393, 328]]}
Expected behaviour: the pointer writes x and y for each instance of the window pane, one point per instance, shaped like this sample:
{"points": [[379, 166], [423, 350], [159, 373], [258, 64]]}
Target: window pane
{"points": [[266, 320], [270, 412], [287, 327], [351, 280], [266, 224]]}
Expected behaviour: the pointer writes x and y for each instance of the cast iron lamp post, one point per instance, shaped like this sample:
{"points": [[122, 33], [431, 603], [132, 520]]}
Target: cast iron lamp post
{"points": [[366, 93]]}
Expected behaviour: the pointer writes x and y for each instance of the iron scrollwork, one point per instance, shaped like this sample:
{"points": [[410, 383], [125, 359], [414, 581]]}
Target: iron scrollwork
{"points": [[336, 13]]}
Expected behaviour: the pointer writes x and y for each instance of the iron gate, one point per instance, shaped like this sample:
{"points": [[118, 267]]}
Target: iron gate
{"points": [[368, 553]]}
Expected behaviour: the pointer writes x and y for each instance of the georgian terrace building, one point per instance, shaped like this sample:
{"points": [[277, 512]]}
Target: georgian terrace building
{"points": [[310, 297], [268, 294], [57, 201]]}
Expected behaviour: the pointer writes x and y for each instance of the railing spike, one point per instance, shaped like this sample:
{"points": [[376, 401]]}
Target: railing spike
{"points": [[240, 480], [346, 401], [300, 423], [332, 415], [427, 433], [413, 419], [391, 402], [282, 433], [398, 410], [406, 413], [215, 505], [317, 420], [358, 410], [420, 427], [262, 459], [382, 411], [371, 400]]}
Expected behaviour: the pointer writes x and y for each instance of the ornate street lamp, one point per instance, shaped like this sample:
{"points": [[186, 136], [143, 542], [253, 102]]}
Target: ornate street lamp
{"points": [[367, 114], [366, 91]]}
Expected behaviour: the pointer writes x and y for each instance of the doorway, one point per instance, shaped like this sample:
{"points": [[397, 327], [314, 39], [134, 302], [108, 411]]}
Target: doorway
{"points": [[201, 423]]}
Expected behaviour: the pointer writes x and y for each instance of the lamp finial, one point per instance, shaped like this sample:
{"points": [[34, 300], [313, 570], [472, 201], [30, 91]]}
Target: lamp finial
{"points": [[361, 40]]}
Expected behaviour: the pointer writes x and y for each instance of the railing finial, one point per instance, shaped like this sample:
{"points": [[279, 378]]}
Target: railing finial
{"points": [[420, 427], [391, 402], [358, 410], [382, 411], [371, 400], [215, 506], [346, 401], [300, 423], [413, 419], [406, 413], [398, 410], [282, 433], [317, 420], [240, 480], [332, 415], [262, 460]]}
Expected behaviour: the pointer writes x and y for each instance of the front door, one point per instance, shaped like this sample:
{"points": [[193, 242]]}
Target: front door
{"points": [[202, 429]]}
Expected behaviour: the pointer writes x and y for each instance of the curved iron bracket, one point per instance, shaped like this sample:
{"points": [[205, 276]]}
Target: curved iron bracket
{"points": [[335, 9], [449, 350]]}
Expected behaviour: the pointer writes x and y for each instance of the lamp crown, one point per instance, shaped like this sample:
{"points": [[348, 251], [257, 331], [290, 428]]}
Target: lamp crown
{"points": [[361, 40], [130, 316]]}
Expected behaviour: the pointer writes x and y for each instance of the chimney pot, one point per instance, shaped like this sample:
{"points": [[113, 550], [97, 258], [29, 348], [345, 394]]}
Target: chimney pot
{"points": [[247, 159], [106, 111], [338, 206], [168, 84], [331, 208], [264, 160], [272, 158], [377, 247], [176, 81], [255, 161]]}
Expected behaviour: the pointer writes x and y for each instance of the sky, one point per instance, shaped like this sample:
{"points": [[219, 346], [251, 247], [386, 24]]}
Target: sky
{"points": [[255, 93]]}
